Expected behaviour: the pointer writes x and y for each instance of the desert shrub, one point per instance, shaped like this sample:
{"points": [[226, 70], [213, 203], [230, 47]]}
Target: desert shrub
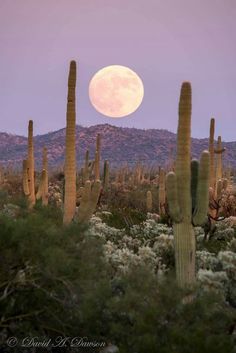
{"points": [[52, 279], [123, 217], [56, 281], [131, 198], [150, 316]]}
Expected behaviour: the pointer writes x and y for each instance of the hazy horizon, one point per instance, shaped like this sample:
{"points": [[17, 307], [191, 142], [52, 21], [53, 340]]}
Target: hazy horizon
{"points": [[166, 43]]}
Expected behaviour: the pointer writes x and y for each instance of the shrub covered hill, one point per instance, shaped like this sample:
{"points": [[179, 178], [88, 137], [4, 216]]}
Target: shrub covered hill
{"points": [[119, 145]]}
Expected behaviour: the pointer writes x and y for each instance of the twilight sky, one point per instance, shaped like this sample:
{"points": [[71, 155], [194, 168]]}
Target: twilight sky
{"points": [[164, 41]]}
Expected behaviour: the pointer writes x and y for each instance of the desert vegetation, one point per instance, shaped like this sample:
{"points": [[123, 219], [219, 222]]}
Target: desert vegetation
{"points": [[136, 258]]}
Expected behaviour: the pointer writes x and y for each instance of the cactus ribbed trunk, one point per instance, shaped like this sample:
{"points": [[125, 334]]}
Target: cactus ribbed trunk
{"points": [[97, 157], [31, 165], [97, 166], [184, 240], [212, 153], [219, 159], [149, 201], [44, 187], [183, 158], [45, 176], [106, 175], [190, 179], [25, 178], [86, 167], [183, 232], [70, 158], [162, 192]]}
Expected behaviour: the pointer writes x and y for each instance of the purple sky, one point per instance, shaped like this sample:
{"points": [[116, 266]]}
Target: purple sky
{"points": [[164, 41]]}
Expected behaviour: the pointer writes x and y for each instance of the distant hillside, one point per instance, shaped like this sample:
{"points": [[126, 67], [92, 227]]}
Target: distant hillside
{"points": [[118, 146]]}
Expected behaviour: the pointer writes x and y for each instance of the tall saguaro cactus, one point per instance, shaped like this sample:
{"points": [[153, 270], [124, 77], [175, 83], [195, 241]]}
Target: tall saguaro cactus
{"points": [[106, 175], [30, 160], [219, 151], [162, 192], [25, 178], [97, 157], [178, 186], [212, 153], [70, 159]]}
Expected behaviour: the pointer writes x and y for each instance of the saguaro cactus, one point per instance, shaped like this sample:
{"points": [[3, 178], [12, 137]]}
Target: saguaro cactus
{"points": [[30, 160], [178, 186], [86, 167], [162, 192], [97, 157], [88, 201], [25, 178], [212, 153], [149, 201], [43, 184], [106, 175], [70, 159], [219, 151]]}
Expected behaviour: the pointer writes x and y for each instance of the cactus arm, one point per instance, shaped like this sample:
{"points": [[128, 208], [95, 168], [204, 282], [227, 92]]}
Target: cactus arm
{"points": [[202, 204], [172, 197]]}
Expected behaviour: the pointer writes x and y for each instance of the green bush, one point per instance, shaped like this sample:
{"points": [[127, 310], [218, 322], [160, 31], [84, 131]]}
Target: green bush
{"points": [[54, 281]]}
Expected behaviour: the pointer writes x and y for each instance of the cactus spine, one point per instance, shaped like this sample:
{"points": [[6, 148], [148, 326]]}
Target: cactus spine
{"points": [[70, 158], [30, 159], [179, 194]]}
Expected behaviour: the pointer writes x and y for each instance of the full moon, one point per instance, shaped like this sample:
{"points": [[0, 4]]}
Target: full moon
{"points": [[116, 91]]}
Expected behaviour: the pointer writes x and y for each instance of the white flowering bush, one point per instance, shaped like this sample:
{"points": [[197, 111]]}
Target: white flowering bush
{"points": [[216, 281], [207, 261], [151, 244]]}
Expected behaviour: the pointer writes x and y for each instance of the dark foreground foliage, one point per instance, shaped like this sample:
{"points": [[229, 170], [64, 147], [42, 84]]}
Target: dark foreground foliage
{"points": [[55, 282]]}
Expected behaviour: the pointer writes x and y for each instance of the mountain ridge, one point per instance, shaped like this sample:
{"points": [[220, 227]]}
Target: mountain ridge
{"points": [[119, 144]]}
